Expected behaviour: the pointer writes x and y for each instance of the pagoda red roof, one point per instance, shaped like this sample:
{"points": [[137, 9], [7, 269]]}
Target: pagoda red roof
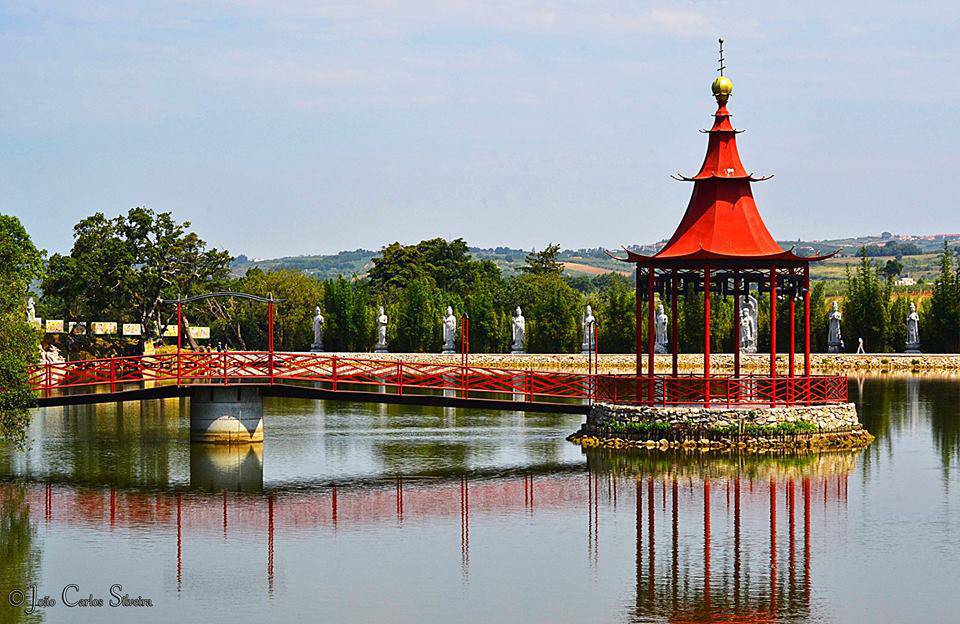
{"points": [[721, 221]]}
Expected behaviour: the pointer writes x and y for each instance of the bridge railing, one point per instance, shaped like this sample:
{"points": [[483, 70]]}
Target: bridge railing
{"points": [[376, 375]]}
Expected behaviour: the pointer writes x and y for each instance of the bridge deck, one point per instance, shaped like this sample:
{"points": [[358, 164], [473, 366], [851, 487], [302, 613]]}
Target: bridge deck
{"points": [[316, 393]]}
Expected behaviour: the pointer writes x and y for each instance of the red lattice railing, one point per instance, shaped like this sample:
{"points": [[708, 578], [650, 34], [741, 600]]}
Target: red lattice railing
{"points": [[363, 374]]}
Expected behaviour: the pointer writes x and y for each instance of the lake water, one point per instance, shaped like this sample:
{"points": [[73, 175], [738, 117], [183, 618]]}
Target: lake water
{"points": [[363, 513]]}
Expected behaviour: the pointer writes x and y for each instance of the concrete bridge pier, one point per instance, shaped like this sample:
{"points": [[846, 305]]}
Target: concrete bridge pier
{"points": [[228, 415]]}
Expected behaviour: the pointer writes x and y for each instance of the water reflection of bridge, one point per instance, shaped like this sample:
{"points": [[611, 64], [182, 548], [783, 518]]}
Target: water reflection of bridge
{"points": [[736, 545]]}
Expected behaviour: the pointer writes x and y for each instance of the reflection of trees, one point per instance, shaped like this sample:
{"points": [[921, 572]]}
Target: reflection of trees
{"points": [[941, 399], [412, 457], [698, 465], [122, 444], [18, 550], [882, 401], [895, 405]]}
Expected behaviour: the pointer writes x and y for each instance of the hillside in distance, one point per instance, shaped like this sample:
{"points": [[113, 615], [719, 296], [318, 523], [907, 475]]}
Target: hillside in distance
{"points": [[918, 253]]}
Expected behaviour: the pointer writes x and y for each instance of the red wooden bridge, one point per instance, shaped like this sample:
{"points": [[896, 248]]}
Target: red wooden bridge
{"points": [[329, 376]]}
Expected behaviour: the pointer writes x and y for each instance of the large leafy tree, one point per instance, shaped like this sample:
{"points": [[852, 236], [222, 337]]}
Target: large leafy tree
{"points": [[120, 268], [20, 264], [449, 265]]}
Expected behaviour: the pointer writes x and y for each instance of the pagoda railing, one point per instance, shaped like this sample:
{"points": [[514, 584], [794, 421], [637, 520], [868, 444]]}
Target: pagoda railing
{"points": [[379, 375], [722, 390]]}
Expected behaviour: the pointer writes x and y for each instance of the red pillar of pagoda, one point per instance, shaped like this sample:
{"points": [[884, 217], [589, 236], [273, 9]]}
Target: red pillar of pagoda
{"points": [[675, 338], [706, 336], [650, 335], [736, 324], [773, 335]]}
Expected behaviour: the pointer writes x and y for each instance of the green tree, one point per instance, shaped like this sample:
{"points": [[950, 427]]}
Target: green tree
{"points": [[418, 317], [893, 268], [552, 309], [942, 311], [543, 262], [866, 308], [489, 324], [818, 319], [616, 316], [120, 268], [20, 264], [897, 326], [293, 321], [348, 315], [448, 265]]}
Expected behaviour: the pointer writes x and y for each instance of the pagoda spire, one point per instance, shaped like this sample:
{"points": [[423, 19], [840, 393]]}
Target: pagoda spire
{"points": [[722, 216]]}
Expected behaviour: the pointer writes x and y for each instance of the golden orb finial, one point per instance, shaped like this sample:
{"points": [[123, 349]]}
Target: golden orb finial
{"points": [[722, 86]]}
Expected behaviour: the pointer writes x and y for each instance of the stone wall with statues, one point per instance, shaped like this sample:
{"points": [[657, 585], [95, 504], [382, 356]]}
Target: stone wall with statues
{"points": [[758, 364]]}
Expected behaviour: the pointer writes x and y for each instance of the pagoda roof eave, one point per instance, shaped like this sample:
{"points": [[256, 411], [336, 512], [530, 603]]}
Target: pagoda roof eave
{"points": [[749, 177], [703, 256]]}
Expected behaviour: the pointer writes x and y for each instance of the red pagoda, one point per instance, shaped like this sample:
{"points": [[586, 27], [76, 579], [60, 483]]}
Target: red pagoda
{"points": [[723, 247]]}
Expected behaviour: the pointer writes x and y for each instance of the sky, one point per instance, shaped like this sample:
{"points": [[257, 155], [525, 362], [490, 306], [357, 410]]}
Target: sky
{"points": [[302, 127]]}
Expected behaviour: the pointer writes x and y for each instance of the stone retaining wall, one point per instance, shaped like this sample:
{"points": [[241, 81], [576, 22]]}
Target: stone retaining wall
{"points": [[827, 418], [755, 428]]}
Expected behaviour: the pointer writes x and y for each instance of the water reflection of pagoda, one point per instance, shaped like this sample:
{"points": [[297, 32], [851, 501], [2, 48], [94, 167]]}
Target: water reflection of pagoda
{"points": [[746, 557]]}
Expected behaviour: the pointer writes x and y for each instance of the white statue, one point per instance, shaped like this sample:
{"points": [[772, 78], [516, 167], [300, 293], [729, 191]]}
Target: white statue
{"points": [[913, 330], [51, 355], [31, 311], [587, 326], [749, 313], [519, 332], [381, 346], [317, 346], [661, 321], [449, 331], [834, 338]]}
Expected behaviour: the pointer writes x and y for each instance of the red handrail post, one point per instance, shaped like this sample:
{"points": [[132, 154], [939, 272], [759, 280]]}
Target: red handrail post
{"points": [[223, 364], [49, 380], [806, 331], [113, 375], [400, 377], [270, 338], [179, 338], [793, 338], [334, 367], [674, 315], [638, 308], [596, 359]]}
